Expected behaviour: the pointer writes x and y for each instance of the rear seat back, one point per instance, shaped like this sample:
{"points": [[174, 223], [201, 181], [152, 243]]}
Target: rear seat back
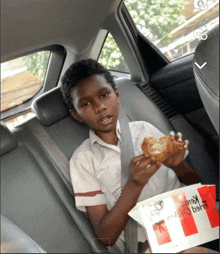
{"points": [[29, 200], [52, 113], [68, 135], [14, 240], [141, 108], [41, 198], [138, 108], [8, 142]]}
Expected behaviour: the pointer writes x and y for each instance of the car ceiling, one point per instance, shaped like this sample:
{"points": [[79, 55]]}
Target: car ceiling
{"points": [[31, 24]]}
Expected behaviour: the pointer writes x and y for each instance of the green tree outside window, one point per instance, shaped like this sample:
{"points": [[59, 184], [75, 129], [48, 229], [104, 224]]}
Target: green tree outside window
{"points": [[37, 63], [158, 17], [111, 56]]}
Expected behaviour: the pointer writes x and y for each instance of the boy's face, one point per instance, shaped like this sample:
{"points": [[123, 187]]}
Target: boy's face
{"points": [[96, 103]]}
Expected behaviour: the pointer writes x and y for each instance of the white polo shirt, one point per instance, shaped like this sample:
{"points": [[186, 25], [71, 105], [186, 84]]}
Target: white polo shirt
{"points": [[95, 170]]}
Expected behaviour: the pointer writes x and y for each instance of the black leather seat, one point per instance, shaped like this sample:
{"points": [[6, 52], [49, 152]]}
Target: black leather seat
{"points": [[207, 77]]}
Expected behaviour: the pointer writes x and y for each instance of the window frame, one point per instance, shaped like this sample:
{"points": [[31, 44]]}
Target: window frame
{"points": [[100, 52], [30, 98], [54, 68], [136, 33], [121, 33], [146, 49]]}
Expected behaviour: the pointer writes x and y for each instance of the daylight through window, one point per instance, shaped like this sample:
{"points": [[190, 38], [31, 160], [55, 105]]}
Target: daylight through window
{"points": [[174, 26], [22, 78]]}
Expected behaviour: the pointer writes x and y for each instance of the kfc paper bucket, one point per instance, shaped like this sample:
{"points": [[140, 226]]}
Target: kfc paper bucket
{"points": [[179, 219]]}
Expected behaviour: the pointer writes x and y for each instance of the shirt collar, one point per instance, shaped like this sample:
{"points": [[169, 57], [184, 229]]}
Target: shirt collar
{"points": [[94, 138]]}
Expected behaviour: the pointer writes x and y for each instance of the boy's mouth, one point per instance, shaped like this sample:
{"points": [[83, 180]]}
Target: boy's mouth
{"points": [[106, 120]]}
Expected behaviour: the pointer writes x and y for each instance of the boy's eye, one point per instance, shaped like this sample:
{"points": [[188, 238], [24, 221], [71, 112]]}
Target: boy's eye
{"points": [[104, 95], [85, 104]]}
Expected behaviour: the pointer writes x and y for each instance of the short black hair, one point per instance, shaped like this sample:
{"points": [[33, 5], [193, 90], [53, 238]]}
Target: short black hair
{"points": [[79, 71]]}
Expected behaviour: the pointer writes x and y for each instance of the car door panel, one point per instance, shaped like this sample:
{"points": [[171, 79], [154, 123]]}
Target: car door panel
{"points": [[176, 83]]}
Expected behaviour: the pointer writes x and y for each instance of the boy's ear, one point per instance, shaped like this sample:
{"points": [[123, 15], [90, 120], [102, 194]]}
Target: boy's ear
{"points": [[75, 115], [118, 95]]}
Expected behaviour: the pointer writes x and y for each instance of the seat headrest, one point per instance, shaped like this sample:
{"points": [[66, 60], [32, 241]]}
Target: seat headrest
{"points": [[50, 107], [8, 142], [207, 52]]}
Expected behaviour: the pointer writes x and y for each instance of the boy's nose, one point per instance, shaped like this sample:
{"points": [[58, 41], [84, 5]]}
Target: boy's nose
{"points": [[99, 107]]}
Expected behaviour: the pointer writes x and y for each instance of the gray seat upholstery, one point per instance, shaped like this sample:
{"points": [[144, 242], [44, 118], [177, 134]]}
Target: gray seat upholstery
{"points": [[14, 240], [8, 141], [30, 201], [52, 113], [207, 78], [140, 108], [69, 134], [34, 197]]}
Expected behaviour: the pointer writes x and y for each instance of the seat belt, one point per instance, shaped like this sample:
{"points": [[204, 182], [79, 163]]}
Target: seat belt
{"points": [[56, 155], [62, 165], [127, 154]]}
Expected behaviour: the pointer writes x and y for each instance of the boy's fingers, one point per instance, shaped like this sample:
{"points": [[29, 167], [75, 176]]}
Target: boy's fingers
{"points": [[177, 136], [180, 137], [144, 163], [172, 133], [142, 174], [137, 159], [152, 169], [186, 144], [149, 172], [153, 161]]}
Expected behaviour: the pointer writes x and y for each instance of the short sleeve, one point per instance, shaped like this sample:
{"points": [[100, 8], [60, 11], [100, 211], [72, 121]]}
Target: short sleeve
{"points": [[86, 186]]}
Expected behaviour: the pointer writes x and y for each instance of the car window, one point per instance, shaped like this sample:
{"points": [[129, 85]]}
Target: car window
{"points": [[111, 56], [18, 119], [22, 78], [174, 26]]}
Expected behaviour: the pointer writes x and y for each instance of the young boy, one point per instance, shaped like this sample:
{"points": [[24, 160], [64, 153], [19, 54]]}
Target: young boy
{"points": [[91, 96]]}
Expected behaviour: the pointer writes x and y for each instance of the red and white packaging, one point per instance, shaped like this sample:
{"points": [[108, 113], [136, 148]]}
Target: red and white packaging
{"points": [[180, 219]]}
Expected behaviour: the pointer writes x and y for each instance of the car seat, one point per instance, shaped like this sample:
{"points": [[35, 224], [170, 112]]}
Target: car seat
{"points": [[206, 71]]}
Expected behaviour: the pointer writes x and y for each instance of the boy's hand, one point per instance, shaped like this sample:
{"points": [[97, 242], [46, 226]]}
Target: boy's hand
{"points": [[142, 169], [177, 157]]}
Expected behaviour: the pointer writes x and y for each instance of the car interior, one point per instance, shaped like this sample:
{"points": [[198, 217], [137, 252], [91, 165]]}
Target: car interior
{"points": [[38, 211]]}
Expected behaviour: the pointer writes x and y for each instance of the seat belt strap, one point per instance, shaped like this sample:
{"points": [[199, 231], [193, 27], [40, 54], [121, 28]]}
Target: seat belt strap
{"points": [[62, 165], [127, 148], [127, 154], [55, 154]]}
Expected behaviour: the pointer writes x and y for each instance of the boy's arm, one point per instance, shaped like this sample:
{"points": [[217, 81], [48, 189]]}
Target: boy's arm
{"points": [[108, 225], [186, 175]]}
